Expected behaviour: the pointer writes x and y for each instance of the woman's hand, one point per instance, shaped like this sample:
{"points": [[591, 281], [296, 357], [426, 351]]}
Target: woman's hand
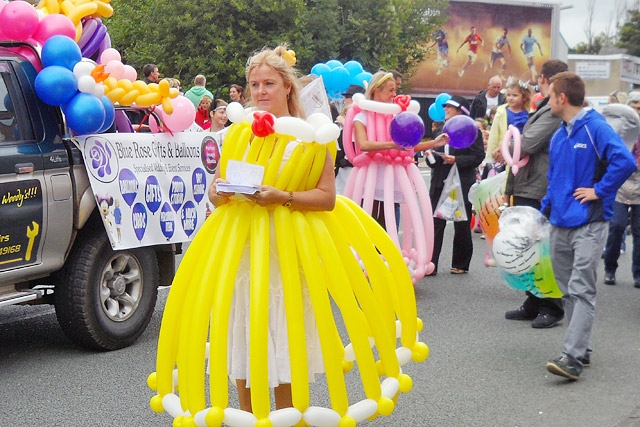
{"points": [[218, 197], [441, 140], [269, 195]]}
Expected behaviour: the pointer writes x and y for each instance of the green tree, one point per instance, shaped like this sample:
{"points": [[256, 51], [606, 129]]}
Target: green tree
{"points": [[630, 33], [215, 37]]}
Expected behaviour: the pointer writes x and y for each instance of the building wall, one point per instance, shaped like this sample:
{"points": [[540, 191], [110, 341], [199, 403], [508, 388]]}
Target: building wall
{"points": [[604, 74]]}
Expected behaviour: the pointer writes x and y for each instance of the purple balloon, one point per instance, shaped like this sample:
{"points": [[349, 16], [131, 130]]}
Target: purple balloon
{"points": [[407, 129], [462, 131]]}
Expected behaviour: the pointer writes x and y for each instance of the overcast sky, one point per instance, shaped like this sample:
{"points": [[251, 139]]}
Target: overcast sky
{"points": [[573, 20]]}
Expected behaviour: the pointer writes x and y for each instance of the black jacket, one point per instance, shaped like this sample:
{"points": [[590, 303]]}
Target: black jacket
{"points": [[479, 104]]}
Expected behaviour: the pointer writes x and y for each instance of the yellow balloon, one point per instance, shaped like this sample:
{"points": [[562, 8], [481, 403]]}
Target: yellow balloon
{"points": [[115, 94], [130, 97], [259, 319], [148, 99], [290, 167], [125, 84], [141, 86], [167, 106], [285, 240], [163, 88], [318, 165], [273, 167], [302, 168]]}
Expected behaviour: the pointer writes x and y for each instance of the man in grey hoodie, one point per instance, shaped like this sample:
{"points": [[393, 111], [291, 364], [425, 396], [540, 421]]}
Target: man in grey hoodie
{"points": [[529, 186], [626, 123]]}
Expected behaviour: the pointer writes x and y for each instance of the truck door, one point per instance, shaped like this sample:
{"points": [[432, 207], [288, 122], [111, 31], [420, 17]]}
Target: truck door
{"points": [[21, 180]]}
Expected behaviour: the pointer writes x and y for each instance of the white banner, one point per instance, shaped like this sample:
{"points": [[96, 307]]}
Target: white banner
{"points": [[151, 188]]}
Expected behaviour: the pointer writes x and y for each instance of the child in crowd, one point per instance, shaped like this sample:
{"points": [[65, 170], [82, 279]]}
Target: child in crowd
{"points": [[202, 113], [515, 112]]}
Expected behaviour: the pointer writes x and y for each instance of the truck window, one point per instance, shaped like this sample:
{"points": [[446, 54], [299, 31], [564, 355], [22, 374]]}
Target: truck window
{"points": [[9, 130]]}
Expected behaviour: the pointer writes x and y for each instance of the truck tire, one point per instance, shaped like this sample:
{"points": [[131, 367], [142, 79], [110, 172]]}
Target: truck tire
{"points": [[104, 299]]}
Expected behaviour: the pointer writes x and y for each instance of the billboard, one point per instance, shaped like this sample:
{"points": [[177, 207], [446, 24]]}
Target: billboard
{"points": [[482, 39]]}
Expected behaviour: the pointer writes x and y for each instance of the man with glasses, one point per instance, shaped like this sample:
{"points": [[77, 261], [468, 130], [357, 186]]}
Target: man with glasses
{"points": [[529, 186]]}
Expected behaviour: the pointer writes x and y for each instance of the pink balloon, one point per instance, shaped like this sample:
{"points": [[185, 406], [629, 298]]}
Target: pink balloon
{"points": [[19, 20], [153, 123], [115, 69], [52, 25], [183, 116], [109, 55], [130, 73], [514, 161]]}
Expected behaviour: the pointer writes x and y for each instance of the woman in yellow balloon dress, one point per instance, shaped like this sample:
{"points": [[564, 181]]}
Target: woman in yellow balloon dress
{"points": [[252, 299]]}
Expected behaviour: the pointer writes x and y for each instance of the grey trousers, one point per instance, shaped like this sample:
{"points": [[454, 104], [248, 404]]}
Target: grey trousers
{"points": [[575, 254]]}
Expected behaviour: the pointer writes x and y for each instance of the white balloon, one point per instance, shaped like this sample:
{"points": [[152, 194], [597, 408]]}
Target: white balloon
{"points": [[327, 133], [171, 404], [389, 387], [239, 418], [199, 418], [349, 354], [379, 107], [357, 97], [404, 355], [317, 120], [83, 68], [86, 84], [321, 417], [285, 417], [295, 127], [398, 329], [362, 410], [98, 92], [236, 112], [414, 106]]}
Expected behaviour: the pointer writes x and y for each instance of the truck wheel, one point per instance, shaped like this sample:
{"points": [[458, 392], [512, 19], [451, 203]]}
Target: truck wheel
{"points": [[105, 299]]}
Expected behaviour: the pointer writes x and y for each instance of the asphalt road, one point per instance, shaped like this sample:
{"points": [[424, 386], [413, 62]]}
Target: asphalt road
{"points": [[483, 370]]}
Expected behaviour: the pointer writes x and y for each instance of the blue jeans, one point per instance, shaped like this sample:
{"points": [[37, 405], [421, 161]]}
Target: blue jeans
{"points": [[617, 227]]}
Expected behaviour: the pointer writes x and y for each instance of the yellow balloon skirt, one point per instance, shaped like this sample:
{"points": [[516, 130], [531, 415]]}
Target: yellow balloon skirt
{"points": [[339, 261]]}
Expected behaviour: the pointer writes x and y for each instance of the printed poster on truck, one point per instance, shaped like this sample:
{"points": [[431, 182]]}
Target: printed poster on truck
{"points": [[21, 213], [151, 188]]}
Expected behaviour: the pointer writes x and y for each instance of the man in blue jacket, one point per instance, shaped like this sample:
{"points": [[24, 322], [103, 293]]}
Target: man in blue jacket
{"points": [[588, 163]]}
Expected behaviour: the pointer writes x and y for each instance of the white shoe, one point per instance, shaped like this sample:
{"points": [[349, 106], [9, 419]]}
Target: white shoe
{"points": [[460, 73]]}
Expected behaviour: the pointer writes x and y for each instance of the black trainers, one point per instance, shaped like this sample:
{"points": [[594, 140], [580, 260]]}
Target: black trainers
{"points": [[586, 360], [520, 314], [545, 320], [636, 284], [564, 367], [609, 279]]}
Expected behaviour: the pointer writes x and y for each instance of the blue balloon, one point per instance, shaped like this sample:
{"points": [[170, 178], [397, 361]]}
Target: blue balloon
{"points": [[334, 63], [354, 68], [153, 193], [177, 191], [359, 79], [442, 98], [139, 220], [199, 184], [337, 81], [320, 69], [407, 129], [129, 185], [62, 51], [462, 131], [110, 113], [436, 112], [189, 216], [56, 85], [167, 222], [85, 113]]}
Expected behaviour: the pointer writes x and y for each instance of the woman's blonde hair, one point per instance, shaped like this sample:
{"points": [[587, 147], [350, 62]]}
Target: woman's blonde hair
{"points": [[275, 59], [376, 82]]}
